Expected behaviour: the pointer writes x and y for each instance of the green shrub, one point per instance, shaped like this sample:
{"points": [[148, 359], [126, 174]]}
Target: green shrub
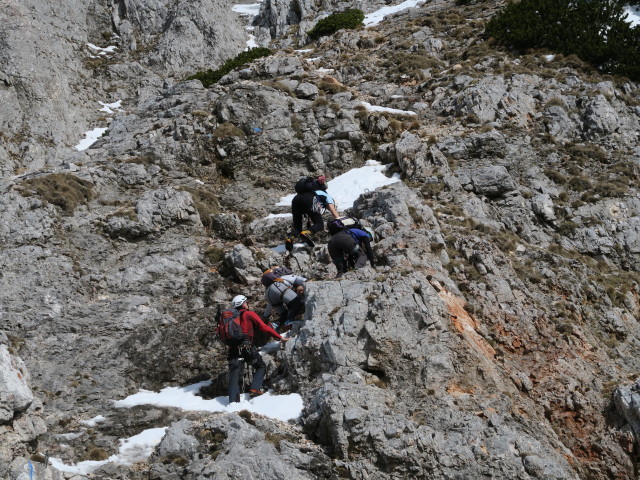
{"points": [[351, 18], [594, 30], [209, 77]]}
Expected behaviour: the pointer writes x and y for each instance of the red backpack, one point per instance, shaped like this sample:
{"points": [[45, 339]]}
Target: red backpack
{"points": [[229, 329]]}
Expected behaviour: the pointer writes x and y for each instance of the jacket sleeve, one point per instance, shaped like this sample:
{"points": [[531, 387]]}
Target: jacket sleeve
{"points": [[260, 325], [366, 241], [267, 311]]}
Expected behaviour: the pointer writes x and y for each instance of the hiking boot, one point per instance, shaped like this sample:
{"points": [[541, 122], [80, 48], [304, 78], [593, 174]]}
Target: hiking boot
{"points": [[288, 244], [306, 238], [255, 393]]}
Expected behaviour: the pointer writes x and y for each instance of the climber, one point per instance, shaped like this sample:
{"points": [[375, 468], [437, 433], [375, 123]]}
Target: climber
{"points": [[349, 247], [311, 200], [246, 351], [284, 294]]}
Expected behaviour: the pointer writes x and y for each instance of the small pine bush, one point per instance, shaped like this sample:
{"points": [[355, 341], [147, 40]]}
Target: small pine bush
{"points": [[594, 30], [209, 77], [351, 18]]}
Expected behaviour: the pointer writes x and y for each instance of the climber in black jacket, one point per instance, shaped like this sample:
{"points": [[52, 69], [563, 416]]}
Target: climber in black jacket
{"points": [[349, 247]]}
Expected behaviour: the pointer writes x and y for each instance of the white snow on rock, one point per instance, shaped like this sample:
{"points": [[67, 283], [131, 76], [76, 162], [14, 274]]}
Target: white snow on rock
{"points": [[251, 9], [102, 51], [346, 188], [132, 450], [90, 138], [93, 421], [279, 407], [376, 108], [374, 18], [110, 107]]}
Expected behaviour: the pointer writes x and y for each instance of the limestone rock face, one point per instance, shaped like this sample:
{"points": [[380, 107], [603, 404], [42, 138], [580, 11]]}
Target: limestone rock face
{"points": [[44, 110], [495, 333], [21, 423]]}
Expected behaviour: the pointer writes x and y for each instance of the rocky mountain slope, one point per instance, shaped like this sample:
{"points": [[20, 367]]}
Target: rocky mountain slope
{"points": [[497, 335]]}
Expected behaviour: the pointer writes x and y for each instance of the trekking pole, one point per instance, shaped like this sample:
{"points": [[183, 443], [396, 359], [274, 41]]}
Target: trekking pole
{"points": [[299, 267]]}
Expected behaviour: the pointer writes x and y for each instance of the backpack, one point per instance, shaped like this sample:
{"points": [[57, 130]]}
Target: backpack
{"points": [[308, 184], [342, 223], [273, 274], [229, 329]]}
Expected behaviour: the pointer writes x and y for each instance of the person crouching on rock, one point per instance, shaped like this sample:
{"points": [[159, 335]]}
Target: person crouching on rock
{"points": [[348, 247], [286, 296], [247, 351]]}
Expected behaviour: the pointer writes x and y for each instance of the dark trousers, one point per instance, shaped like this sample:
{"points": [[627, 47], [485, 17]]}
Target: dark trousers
{"points": [[250, 355], [306, 204], [292, 310]]}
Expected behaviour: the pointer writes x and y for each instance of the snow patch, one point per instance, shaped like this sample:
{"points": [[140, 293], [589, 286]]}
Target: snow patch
{"points": [[100, 50], [346, 188], [376, 108], [93, 421], [90, 138], [132, 450], [251, 9], [376, 17], [279, 407], [110, 107]]}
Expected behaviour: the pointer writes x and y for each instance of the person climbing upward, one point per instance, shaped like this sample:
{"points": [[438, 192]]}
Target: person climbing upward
{"points": [[245, 350], [349, 246], [311, 200], [284, 294]]}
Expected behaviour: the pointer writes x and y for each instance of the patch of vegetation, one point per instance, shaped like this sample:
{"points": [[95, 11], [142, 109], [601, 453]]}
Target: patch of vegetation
{"points": [[594, 30], [555, 102], [142, 160], [227, 129], [331, 86], [61, 189], [587, 154], [349, 19], [247, 417], [265, 182], [279, 86], [96, 454], [579, 183], [275, 438], [206, 204], [411, 64], [214, 255], [610, 189], [172, 458], [209, 77]]}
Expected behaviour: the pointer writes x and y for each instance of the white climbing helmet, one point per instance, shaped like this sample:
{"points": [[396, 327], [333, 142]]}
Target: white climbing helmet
{"points": [[238, 300]]}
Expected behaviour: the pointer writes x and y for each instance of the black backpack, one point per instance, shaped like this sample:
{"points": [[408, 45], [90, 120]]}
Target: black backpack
{"points": [[229, 329], [308, 184]]}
